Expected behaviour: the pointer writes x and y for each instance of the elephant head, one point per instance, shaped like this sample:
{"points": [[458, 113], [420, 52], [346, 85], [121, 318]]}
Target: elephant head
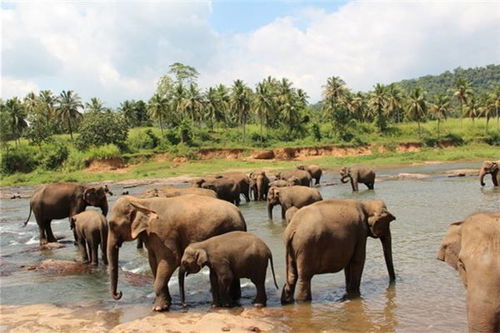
{"points": [[96, 197], [273, 199], [489, 167], [301, 167], [193, 259], [197, 182], [293, 181], [345, 173], [378, 219], [129, 217], [471, 248]]}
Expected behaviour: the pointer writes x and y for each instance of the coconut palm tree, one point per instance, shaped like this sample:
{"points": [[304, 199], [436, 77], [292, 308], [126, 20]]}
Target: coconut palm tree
{"points": [[68, 105], [496, 102], [417, 106], [48, 104], [95, 105], [17, 117], [487, 108], [462, 92], [158, 109], [263, 103], [394, 106], [472, 109], [193, 103], [378, 102], [440, 109], [240, 103]]}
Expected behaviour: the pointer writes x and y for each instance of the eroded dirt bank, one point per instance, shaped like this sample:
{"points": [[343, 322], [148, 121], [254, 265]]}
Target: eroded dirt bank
{"points": [[134, 318]]}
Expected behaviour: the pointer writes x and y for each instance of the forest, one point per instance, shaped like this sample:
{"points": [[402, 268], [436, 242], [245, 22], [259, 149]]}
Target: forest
{"points": [[60, 131]]}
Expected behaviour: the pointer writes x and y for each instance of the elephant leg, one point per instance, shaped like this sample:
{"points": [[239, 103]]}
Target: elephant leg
{"points": [[354, 270], [354, 184], [95, 250], [164, 271], [225, 280], [283, 211], [140, 243], [152, 262], [214, 286], [261, 297], [304, 286], [371, 185], [247, 197], [291, 280], [235, 289], [317, 181], [83, 250], [50, 236]]}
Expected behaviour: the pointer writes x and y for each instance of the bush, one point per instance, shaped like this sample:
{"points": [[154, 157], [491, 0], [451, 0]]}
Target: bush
{"points": [[172, 137], [78, 160], [20, 159], [430, 142], [492, 139], [186, 132], [455, 139], [315, 131], [53, 155], [143, 140], [101, 128]]}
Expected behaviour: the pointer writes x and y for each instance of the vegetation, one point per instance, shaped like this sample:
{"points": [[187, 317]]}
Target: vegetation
{"points": [[274, 114]]}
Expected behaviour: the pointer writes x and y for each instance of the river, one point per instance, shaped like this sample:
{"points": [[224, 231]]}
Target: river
{"points": [[427, 296]]}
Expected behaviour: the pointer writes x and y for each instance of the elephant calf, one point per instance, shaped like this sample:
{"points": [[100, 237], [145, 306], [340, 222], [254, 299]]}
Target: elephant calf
{"points": [[91, 230], [231, 256], [358, 175], [291, 196], [472, 247], [314, 170], [490, 167]]}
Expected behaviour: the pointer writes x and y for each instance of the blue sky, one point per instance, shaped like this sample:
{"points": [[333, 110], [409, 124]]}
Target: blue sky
{"points": [[118, 50]]}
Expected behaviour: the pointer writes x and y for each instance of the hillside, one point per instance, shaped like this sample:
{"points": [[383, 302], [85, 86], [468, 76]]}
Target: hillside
{"points": [[481, 79]]}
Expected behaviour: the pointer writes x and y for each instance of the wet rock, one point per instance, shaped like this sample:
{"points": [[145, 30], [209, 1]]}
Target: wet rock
{"points": [[462, 173], [405, 175], [59, 267]]}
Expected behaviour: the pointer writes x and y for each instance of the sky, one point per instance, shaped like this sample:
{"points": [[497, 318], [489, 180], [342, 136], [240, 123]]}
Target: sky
{"points": [[118, 50]]}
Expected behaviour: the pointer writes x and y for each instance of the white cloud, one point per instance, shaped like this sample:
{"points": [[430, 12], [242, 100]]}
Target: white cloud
{"points": [[117, 50]]}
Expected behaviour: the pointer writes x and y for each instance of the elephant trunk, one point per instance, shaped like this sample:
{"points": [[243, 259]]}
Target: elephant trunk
{"points": [[104, 207], [344, 179], [270, 211], [113, 246], [482, 173], [387, 246]]}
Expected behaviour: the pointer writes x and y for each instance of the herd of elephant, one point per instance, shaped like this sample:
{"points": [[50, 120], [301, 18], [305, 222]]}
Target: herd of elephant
{"points": [[190, 228]]}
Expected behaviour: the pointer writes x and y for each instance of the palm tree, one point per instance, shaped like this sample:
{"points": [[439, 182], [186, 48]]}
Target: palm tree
{"points": [[440, 109], [394, 102], [178, 96], [462, 92], [487, 109], [158, 109], [48, 102], [417, 106], [31, 103], [496, 102], [358, 106], [240, 103], [378, 102], [193, 103], [69, 103], [472, 109], [95, 105], [17, 115], [263, 103], [224, 101]]}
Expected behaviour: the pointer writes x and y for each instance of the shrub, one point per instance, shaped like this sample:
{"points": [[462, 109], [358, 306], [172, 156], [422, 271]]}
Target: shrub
{"points": [[455, 139], [185, 132], [315, 131], [143, 140], [20, 159], [53, 155], [492, 139], [430, 141], [172, 137], [101, 128]]}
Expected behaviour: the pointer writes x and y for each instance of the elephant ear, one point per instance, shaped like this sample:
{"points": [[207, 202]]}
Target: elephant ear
{"points": [[72, 222], [451, 245], [494, 166], [141, 217], [90, 195], [378, 219], [201, 258]]}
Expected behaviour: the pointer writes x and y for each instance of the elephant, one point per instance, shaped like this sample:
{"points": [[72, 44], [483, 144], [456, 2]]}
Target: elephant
{"points": [[61, 200], [329, 236], [282, 183], [226, 189], [243, 181], [169, 192], [259, 185], [314, 170], [167, 226], [230, 257], [303, 176], [291, 196], [472, 247], [490, 167], [358, 175], [290, 212], [91, 230]]}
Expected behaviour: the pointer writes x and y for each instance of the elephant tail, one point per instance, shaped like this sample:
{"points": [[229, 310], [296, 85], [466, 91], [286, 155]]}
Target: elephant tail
{"points": [[26, 222], [272, 270]]}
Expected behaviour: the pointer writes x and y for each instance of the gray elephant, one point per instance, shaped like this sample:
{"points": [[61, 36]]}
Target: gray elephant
{"points": [[358, 175], [314, 170], [281, 183], [58, 201], [231, 257], [290, 212], [91, 230], [169, 192], [329, 236], [167, 226], [225, 188], [259, 185], [290, 196], [490, 167], [472, 247], [303, 176], [243, 182]]}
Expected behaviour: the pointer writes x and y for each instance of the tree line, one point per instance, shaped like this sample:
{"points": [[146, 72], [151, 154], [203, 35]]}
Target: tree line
{"points": [[179, 103]]}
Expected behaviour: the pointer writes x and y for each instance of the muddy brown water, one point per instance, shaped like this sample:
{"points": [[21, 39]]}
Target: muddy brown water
{"points": [[427, 296]]}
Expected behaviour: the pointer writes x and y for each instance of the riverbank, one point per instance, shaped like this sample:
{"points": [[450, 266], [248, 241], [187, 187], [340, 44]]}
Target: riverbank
{"points": [[159, 167]]}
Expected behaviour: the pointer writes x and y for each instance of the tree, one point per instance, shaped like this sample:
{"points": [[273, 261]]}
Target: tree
{"points": [[417, 107], [158, 109], [101, 128], [462, 92], [95, 105], [16, 118], [440, 109], [183, 73], [394, 106], [472, 109], [487, 108], [135, 113], [215, 107], [378, 102], [193, 103], [240, 103], [69, 103], [263, 104]]}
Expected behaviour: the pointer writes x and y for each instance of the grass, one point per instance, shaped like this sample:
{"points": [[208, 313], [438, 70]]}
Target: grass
{"points": [[155, 169]]}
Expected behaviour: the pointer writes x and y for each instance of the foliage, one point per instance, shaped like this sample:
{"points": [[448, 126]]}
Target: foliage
{"points": [[101, 128], [53, 155], [21, 159], [493, 139], [143, 139]]}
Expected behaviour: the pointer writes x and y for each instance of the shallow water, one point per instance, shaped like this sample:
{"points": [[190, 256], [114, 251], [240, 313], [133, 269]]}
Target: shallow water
{"points": [[427, 296]]}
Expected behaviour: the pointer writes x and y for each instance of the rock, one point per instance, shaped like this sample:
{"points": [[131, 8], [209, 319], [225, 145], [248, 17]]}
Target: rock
{"points": [[405, 175], [462, 173], [263, 155]]}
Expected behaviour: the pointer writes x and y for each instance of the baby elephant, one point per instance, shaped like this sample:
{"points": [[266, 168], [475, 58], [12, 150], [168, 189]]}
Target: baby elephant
{"points": [[230, 257], [91, 229]]}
